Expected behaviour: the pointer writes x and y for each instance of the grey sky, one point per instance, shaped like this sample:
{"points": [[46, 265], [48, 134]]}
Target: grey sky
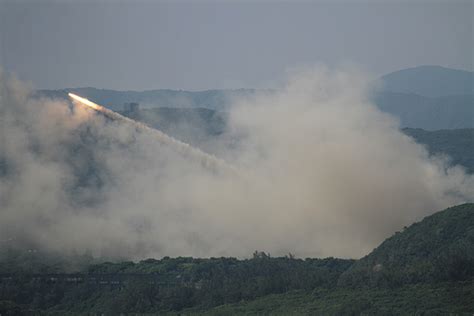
{"points": [[202, 45]]}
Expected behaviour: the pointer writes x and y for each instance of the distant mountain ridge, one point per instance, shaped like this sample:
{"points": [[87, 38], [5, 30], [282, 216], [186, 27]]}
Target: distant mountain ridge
{"points": [[416, 111], [427, 97], [211, 99], [430, 81]]}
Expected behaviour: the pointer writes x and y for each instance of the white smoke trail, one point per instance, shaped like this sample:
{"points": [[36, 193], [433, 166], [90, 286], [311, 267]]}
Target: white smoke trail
{"points": [[207, 160]]}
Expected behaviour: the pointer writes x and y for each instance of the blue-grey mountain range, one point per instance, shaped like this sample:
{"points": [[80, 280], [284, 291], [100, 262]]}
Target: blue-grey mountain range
{"points": [[427, 97]]}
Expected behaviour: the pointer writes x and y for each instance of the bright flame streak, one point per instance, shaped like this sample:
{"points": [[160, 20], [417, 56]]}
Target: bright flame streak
{"points": [[185, 149], [85, 101]]}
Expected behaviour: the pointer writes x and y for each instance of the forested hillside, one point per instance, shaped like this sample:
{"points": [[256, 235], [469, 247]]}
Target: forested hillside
{"points": [[427, 267], [169, 284], [452, 298], [439, 248]]}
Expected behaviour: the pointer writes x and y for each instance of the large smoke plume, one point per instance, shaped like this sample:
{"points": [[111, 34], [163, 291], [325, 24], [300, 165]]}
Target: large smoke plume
{"points": [[324, 173]]}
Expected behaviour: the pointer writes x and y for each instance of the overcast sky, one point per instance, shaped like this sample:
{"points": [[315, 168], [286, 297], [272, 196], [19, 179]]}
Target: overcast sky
{"points": [[203, 45]]}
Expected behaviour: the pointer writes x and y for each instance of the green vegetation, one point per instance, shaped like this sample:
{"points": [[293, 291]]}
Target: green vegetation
{"points": [[422, 299], [439, 248], [428, 268], [171, 284], [28, 260]]}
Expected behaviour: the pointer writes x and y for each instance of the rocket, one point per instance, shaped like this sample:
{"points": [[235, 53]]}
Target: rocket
{"points": [[207, 160]]}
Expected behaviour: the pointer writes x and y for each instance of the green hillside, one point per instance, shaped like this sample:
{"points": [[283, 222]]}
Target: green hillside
{"points": [[166, 285], [428, 268], [419, 299], [439, 248]]}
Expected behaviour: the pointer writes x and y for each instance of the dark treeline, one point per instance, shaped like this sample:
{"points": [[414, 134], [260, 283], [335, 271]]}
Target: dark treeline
{"points": [[169, 284]]}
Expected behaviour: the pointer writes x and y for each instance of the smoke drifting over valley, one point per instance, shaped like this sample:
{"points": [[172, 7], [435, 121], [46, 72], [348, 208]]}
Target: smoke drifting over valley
{"points": [[323, 173]]}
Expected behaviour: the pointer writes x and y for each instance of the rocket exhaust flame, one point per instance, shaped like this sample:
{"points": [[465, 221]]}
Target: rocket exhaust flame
{"points": [[207, 160], [85, 102]]}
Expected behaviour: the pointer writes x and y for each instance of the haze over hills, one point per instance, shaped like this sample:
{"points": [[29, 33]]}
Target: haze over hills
{"points": [[113, 168], [428, 267], [416, 111], [199, 118], [456, 144], [427, 97], [211, 99], [430, 81], [236, 158]]}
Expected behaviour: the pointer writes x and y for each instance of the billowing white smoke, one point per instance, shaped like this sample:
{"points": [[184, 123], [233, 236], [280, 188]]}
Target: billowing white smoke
{"points": [[324, 174]]}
